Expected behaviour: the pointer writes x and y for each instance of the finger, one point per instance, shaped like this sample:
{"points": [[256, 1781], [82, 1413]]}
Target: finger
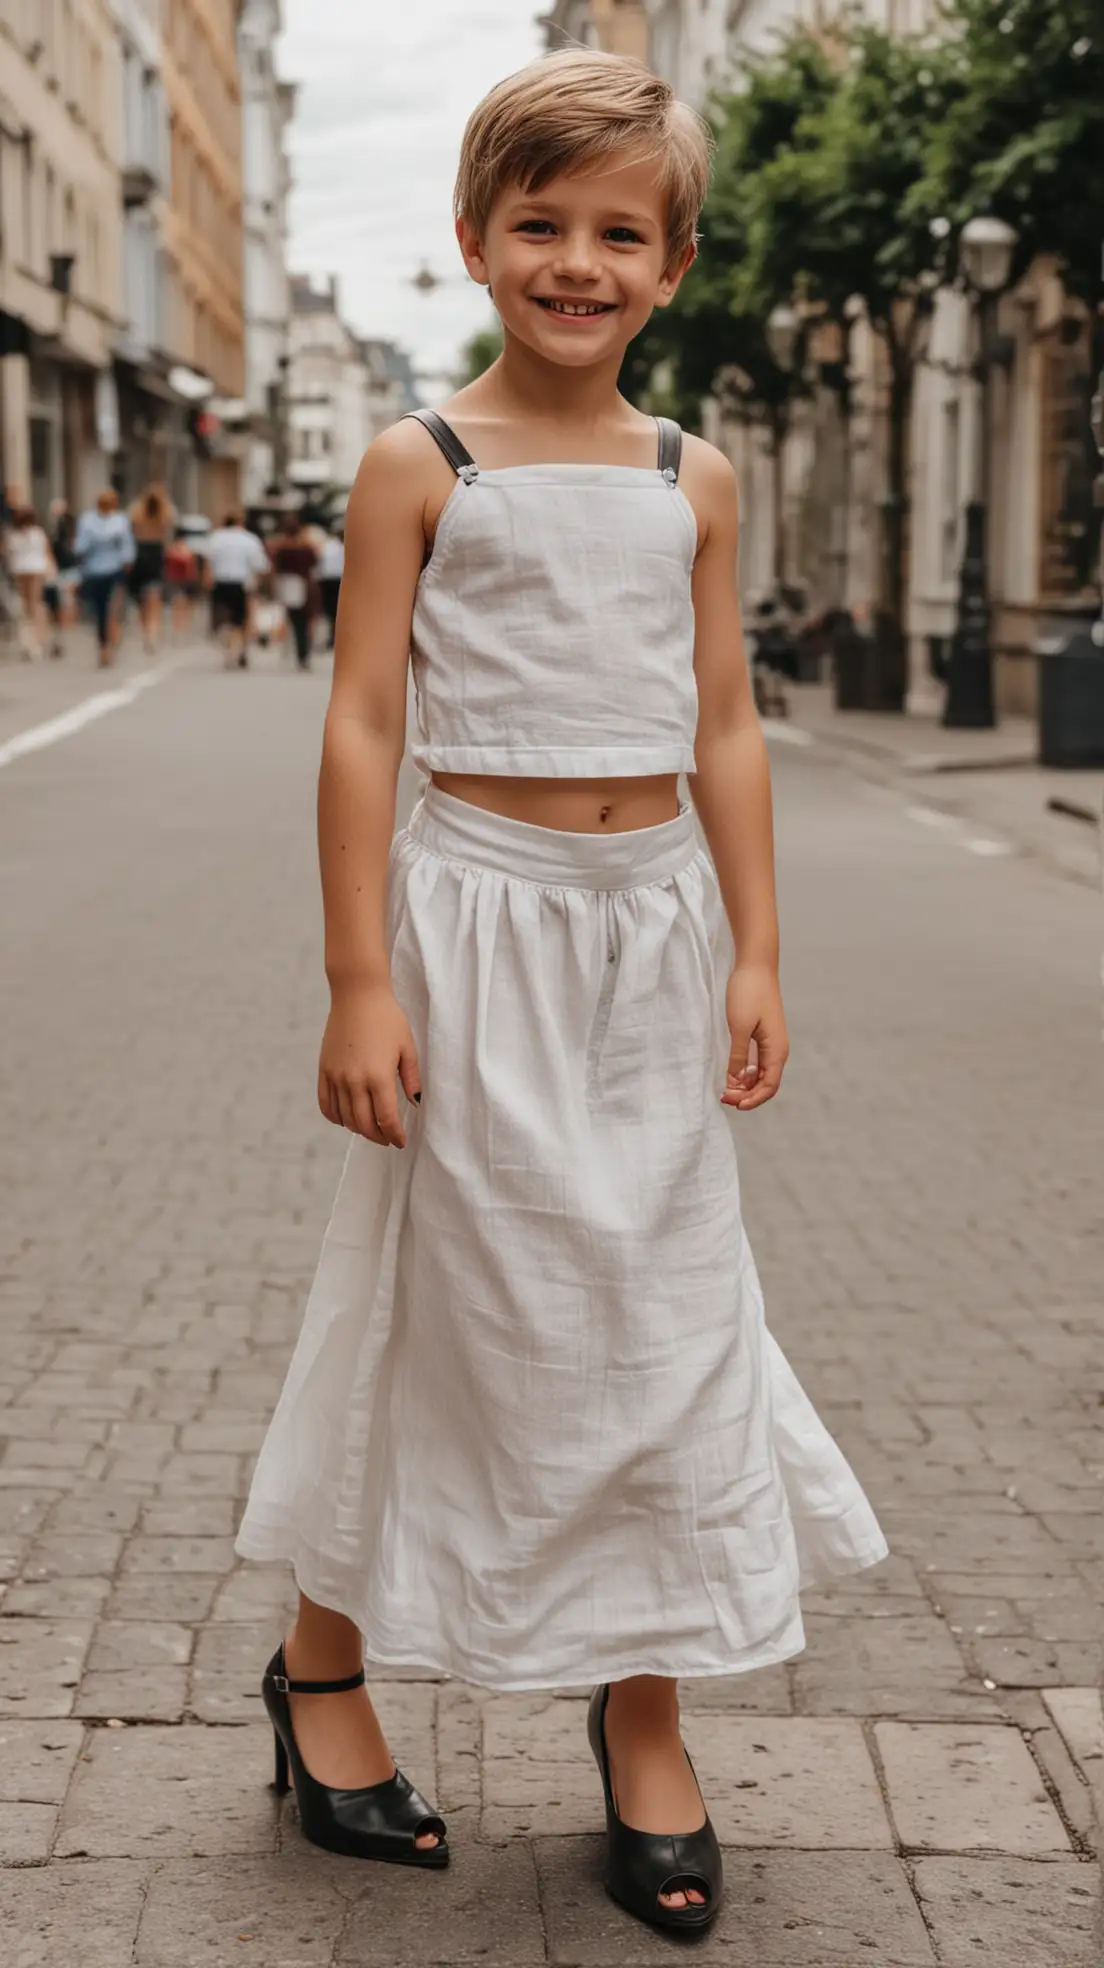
{"points": [[385, 1100], [410, 1076], [769, 1082], [326, 1102], [363, 1115], [743, 1070], [341, 1103]]}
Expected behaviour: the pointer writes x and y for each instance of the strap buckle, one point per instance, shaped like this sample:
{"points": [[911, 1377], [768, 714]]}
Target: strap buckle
{"points": [[281, 1684]]}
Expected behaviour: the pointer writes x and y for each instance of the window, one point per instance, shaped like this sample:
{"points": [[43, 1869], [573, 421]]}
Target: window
{"points": [[1069, 522]]}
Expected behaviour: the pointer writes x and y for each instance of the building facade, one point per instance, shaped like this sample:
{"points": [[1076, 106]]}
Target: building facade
{"points": [[203, 237], [268, 105], [61, 245], [620, 27]]}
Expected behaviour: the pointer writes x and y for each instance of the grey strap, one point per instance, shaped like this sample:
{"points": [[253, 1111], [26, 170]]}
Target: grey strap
{"points": [[670, 447], [446, 440]]}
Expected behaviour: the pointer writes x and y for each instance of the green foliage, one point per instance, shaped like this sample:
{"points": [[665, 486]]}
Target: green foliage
{"points": [[1024, 137], [477, 355]]}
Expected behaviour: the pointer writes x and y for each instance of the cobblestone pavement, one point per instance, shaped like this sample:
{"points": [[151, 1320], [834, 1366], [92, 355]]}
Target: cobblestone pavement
{"points": [[917, 1788]]}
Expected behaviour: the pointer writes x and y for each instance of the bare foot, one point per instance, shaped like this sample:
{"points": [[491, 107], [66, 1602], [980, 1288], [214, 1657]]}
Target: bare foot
{"points": [[339, 1736], [654, 1788]]}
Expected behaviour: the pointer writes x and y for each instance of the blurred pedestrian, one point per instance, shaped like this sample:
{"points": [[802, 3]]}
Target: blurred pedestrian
{"points": [[60, 593], [104, 547], [331, 566], [295, 564], [151, 520], [30, 565], [235, 559], [182, 580]]}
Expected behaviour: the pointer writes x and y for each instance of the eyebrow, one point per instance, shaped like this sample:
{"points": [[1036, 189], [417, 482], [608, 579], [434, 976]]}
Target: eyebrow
{"points": [[549, 206]]}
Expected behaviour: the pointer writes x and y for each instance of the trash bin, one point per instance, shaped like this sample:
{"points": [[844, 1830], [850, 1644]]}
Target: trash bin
{"points": [[1071, 702]]}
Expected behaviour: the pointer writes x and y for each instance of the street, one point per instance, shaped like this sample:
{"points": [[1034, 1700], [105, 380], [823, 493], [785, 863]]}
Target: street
{"points": [[924, 1203]]}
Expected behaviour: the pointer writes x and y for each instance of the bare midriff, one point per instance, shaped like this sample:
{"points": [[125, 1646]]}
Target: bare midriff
{"points": [[570, 806]]}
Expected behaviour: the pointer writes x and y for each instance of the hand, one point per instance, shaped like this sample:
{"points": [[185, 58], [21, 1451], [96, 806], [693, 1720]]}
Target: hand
{"points": [[367, 1046], [753, 1007]]}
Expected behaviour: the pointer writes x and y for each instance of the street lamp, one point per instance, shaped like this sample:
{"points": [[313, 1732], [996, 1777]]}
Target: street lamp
{"points": [[985, 257], [781, 331]]}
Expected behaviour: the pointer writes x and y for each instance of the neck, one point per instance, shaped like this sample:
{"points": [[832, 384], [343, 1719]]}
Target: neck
{"points": [[524, 384]]}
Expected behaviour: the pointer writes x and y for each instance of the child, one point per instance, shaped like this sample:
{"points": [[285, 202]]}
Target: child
{"points": [[534, 1434]]}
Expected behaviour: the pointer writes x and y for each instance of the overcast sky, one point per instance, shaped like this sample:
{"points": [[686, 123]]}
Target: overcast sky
{"points": [[384, 92]]}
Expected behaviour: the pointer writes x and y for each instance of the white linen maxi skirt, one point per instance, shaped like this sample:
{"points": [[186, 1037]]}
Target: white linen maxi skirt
{"points": [[535, 1433]]}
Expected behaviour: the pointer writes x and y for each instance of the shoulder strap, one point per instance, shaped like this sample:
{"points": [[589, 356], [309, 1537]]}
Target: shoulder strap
{"points": [[670, 447], [446, 440]]}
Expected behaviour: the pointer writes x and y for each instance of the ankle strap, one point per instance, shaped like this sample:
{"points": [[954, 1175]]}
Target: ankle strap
{"points": [[285, 1686]]}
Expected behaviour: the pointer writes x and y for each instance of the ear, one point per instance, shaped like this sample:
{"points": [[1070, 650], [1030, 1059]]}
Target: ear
{"points": [[673, 276], [471, 246]]}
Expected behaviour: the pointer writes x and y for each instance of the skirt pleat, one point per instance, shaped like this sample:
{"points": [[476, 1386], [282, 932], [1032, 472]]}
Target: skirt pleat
{"points": [[535, 1433]]}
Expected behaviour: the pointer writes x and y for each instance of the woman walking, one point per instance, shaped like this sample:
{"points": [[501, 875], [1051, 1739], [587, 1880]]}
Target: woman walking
{"points": [[331, 566], [295, 564], [535, 1433], [104, 547], [30, 565], [151, 520]]}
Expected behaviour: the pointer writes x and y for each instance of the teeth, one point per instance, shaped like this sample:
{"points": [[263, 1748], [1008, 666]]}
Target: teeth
{"points": [[575, 307]]}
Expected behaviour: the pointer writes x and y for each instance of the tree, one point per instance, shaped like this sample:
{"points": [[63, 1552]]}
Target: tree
{"points": [[846, 203], [477, 354], [712, 341]]}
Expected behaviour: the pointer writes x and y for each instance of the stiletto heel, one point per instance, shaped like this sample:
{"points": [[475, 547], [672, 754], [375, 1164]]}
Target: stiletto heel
{"points": [[378, 1821], [640, 1865], [281, 1780]]}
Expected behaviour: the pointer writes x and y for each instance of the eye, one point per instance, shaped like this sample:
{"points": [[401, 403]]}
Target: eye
{"points": [[539, 227], [624, 236]]}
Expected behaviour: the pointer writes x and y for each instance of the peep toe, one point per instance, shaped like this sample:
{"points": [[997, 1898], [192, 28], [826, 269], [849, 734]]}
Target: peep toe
{"points": [[640, 1865], [379, 1821]]}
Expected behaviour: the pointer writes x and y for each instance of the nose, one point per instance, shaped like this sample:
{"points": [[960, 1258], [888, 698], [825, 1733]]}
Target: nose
{"points": [[577, 258]]}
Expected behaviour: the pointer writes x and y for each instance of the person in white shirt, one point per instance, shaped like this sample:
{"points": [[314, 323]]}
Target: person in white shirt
{"points": [[30, 561], [235, 560], [331, 566]]}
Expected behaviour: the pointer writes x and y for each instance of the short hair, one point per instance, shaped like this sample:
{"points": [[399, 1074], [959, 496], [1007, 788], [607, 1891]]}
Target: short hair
{"points": [[575, 108], [107, 501]]}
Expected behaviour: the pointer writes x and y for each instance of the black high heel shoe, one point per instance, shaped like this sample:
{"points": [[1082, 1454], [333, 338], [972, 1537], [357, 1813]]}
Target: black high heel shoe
{"points": [[379, 1821], [640, 1865]]}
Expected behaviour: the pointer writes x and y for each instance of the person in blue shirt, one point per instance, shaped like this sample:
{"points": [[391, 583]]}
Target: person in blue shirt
{"points": [[104, 548]]}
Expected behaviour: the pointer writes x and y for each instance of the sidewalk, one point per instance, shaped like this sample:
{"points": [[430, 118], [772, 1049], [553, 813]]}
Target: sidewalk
{"points": [[988, 779]]}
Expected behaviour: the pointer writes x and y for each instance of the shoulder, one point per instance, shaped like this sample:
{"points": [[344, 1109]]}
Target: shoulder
{"points": [[401, 456], [709, 482]]}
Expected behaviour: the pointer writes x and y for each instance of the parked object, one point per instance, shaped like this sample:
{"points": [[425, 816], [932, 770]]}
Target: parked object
{"points": [[1071, 703]]}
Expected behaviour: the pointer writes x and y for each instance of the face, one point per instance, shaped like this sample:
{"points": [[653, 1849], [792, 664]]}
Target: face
{"points": [[577, 268]]}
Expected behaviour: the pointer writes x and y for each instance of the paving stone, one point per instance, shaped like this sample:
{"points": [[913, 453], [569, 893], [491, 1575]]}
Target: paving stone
{"points": [[283, 1911], [484, 1909], [190, 1517], [135, 1694], [781, 1910], [766, 1692], [1079, 1714], [125, 1644], [40, 1664], [67, 1554], [993, 1913], [152, 1792], [258, 1592], [767, 1781], [159, 1595], [177, 1555], [902, 1666], [226, 1678], [60, 1599], [1026, 1663], [60, 1914], [37, 1760], [26, 1833], [967, 1789]]}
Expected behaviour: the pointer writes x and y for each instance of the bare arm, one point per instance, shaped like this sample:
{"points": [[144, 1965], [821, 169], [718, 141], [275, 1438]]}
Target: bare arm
{"points": [[731, 787], [367, 1038]]}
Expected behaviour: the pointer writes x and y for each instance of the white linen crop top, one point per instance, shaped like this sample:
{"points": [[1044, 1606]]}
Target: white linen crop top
{"points": [[553, 631]]}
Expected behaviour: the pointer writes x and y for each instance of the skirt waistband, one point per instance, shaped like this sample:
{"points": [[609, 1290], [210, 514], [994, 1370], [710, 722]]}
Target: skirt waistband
{"points": [[459, 831]]}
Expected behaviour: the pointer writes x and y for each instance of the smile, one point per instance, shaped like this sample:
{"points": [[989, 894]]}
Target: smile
{"points": [[575, 307]]}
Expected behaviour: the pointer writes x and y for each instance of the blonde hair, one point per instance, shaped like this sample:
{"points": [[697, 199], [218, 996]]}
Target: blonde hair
{"points": [[577, 108]]}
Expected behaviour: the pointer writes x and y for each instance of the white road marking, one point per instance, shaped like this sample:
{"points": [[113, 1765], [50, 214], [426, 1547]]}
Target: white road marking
{"points": [[41, 735], [790, 734], [988, 847], [930, 816]]}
